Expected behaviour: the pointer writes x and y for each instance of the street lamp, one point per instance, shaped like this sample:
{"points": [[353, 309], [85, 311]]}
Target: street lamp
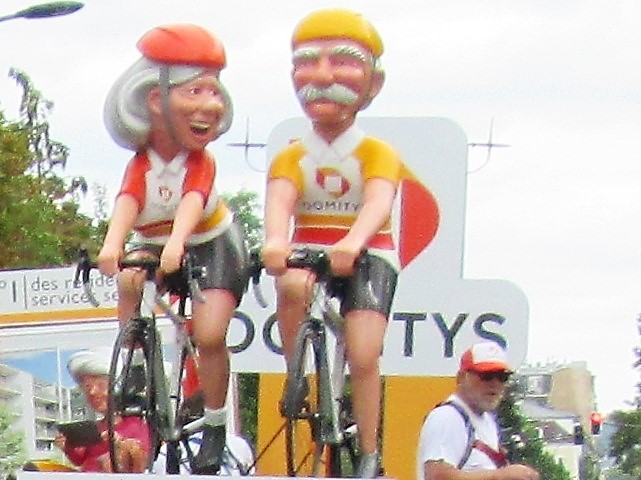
{"points": [[45, 10]]}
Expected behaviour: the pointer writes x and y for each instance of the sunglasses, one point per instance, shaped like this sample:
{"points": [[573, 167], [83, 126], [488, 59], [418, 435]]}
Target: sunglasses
{"points": [[489, 376]]}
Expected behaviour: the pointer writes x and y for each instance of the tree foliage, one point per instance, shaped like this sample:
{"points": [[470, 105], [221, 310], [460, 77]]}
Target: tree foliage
{"points": [[523, 442], [245, 205], [12, 453], [625, 444], [40, 219]]}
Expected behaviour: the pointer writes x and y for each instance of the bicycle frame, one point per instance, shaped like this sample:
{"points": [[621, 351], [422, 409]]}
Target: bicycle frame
{"points": [[322, 334], [164, 393], [333, 368]]}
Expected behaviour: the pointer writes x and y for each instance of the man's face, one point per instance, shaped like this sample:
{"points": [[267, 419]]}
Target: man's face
{"points": [[482, 391], [333, 79], [95, 389], [196, 109]]}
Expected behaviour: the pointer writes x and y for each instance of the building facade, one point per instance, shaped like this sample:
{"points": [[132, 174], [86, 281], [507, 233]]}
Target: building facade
{"points": [[35, 406]]}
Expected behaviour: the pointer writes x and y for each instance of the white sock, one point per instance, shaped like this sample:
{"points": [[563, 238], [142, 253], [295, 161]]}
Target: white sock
{"points": [[216, 416]]}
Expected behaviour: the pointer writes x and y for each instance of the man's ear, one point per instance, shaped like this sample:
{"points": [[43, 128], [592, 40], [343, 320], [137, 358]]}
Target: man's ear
{"points": [[378, 79], [154, 102]]}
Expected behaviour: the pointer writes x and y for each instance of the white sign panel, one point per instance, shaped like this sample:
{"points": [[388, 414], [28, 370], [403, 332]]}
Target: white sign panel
{"points": [[436, 315], [50, 290]]}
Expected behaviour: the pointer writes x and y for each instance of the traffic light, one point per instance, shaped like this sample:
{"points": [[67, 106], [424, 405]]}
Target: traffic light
{"points": [[595, 423], [578, 435]]}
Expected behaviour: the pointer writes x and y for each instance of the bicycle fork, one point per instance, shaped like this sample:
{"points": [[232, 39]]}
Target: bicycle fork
{"points": [[165, 413]]}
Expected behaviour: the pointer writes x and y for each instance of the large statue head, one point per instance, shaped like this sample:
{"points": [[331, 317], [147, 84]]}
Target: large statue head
{"points": [[336, 67], [178, 72]]}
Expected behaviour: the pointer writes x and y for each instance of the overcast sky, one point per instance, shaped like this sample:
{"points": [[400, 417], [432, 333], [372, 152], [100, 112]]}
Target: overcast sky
{"points": [[557, 212]]}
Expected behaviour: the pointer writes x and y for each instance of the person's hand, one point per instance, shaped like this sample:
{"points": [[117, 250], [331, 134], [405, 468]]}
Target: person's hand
{"points": [[60, 441], [517, 472], [171, 256], [342, 257], [275, 258], [108, 259], [130, 456]]}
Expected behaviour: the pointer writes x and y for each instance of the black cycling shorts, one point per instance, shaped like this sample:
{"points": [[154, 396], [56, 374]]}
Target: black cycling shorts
{"points": [[371, 287], [225, 259]]}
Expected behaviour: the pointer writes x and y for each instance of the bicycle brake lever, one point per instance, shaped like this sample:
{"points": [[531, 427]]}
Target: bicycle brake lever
{"points": [[84, 267], [86, 287], [255, 270], [258, 295]]}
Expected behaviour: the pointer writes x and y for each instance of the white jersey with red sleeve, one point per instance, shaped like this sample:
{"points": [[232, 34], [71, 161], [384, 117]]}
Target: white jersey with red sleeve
{"points": [[330, 179], [158, 187]]}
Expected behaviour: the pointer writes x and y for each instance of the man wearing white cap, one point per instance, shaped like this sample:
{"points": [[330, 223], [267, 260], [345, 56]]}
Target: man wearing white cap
{"points": [[460, 437], [90, 369]]}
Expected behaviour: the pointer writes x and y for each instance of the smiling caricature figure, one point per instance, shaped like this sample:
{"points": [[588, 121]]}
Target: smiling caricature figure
{"points": [[338, 185], [166, 108]]}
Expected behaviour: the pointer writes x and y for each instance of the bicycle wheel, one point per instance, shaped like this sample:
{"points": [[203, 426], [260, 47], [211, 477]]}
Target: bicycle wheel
{"points": [[300, 407], [131, 401]]}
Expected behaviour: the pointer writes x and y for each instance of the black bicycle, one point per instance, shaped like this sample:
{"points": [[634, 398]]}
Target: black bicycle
{"points": [[142, 387], [320, 434]]}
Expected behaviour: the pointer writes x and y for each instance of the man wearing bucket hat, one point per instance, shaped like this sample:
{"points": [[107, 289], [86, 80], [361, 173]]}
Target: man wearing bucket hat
{"points": [[166, 108], [90, 370], [460, 437], [336, 74]]}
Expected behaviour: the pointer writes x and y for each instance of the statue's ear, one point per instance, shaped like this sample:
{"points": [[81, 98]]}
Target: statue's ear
{"points": [[154, 102], [378, 79]]}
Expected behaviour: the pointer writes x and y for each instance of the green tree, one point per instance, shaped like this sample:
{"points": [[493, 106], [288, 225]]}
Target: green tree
{"points": [[626, 441], [246, 208], [523, 442], [40, 221], [12, 454]]}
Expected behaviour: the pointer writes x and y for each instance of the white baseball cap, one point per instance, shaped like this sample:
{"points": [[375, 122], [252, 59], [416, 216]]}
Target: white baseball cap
{"points": [[485, 357], [89, 362]]}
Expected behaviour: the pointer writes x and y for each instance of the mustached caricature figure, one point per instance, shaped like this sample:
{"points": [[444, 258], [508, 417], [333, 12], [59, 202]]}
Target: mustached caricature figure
{"points": [[336, 73]]}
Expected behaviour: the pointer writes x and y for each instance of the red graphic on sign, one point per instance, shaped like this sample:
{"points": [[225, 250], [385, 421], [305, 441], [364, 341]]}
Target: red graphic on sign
{"points": [[419, 218]]}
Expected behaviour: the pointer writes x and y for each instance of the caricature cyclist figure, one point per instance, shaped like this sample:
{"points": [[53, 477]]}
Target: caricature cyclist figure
{"points": [[166, 108], [353, 178]]}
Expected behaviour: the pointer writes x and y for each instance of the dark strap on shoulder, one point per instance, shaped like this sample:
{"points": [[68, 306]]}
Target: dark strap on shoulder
{"points": [[497, 456], [471, 434]]}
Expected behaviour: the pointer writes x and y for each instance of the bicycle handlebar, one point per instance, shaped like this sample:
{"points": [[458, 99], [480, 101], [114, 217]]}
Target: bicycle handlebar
{"points": [[306, 258], [191, 273], [315, 260]]}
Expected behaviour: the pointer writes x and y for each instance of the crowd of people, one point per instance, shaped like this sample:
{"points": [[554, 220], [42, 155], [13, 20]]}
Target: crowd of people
{"points": [[166, 108]]}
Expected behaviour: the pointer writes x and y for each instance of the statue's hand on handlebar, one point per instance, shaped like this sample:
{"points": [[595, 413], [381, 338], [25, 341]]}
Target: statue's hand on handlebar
{"points": [[343, 256], [275, 257], [171, 256], [108, 259]]}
